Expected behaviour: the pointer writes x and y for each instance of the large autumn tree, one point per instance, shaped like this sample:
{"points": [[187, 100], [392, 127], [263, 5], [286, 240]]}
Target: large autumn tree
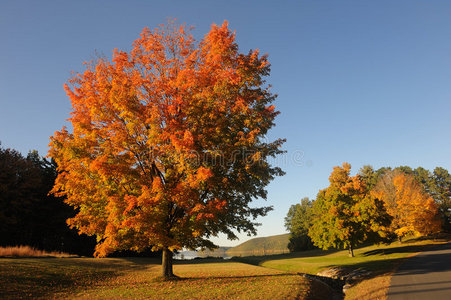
{"points": [[168, 146], [412, 209], [345, 214]]}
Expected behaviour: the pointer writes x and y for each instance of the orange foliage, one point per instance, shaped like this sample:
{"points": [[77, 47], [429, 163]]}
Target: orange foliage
{"points": [[413, 210], [137, 164]]}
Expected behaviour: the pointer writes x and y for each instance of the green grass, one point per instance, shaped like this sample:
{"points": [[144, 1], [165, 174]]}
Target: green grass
{"points": [[137, 278], [261, 246], [372, 258]]}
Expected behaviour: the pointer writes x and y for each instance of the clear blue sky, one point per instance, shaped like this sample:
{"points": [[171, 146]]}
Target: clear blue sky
{"points": [[368, 82]]}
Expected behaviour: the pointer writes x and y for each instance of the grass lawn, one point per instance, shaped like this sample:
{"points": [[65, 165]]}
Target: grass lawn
{"points": [[138, 278], [381, 260], [256, 277]]}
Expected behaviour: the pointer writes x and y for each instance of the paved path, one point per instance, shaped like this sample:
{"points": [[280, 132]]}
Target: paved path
{"points": [[426, 276]]}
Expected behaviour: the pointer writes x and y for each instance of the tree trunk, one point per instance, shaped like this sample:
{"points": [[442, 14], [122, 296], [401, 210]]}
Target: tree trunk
{"points": [[166, 263], [351, 251], [400, 239]]}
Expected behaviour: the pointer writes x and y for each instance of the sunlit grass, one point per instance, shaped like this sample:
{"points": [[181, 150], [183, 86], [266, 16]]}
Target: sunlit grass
{"points": [[89, 278], [204, 281]]}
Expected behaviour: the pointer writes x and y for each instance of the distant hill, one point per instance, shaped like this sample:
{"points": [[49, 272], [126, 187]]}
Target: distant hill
{"points": [[275, 244]]}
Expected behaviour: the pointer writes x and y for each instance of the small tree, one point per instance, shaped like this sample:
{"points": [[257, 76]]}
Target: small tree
{"points": [[167, 146], [413, 210], [297, 222], [345, 215]]}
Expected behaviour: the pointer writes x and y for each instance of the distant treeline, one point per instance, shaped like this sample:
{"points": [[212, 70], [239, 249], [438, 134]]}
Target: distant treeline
{"points": [[29, 215]]}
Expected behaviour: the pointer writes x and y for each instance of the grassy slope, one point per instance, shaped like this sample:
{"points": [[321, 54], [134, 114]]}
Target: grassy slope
{"points": [[139, 277], [261, 246], [380, 260]]}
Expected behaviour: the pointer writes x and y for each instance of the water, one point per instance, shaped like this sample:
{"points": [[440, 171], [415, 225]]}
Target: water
{"points": [[188, 255]]}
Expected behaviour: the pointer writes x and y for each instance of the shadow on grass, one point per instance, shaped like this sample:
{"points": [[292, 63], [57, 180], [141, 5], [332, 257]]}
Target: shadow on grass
{"points": [[141, 262], [405, 247], [42, 278], [422, 264], [394, 250], [385, 266]]}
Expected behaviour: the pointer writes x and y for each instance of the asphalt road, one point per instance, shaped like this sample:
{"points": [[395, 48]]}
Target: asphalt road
{"points": [[426, 276]]}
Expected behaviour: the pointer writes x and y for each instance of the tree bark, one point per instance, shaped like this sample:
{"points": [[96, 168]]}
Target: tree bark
{"points": [[351, 251], [166, 263]]}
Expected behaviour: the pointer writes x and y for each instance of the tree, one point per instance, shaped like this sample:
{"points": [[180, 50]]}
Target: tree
{"points": [[345, 214], [371, 176], [19, 184], [412, 209], [423, 177], [297, 222], [437, 184], [168, 145], [440, 190]]}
